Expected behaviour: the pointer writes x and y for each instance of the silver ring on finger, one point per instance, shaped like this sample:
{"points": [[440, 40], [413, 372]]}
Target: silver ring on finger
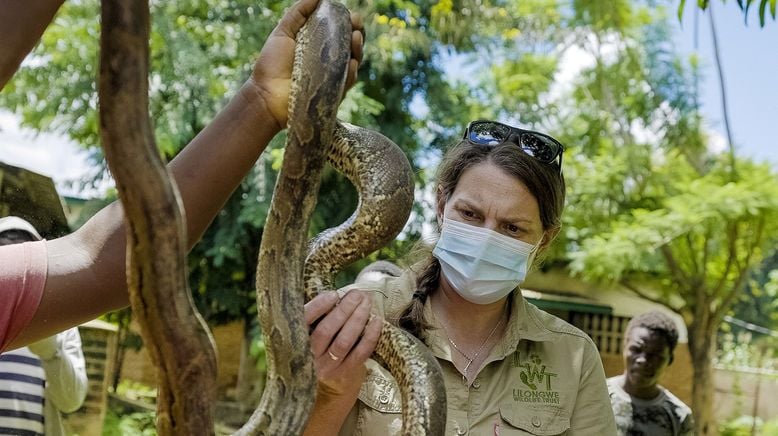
{"points": [[332, 356]]}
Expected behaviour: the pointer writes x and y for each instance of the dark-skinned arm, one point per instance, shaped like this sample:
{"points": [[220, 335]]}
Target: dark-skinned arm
{"points": [[86, 271]]}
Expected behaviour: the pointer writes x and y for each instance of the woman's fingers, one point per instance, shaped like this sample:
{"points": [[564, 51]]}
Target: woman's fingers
{"points": [[320, 305], [341, 372], [332, 323], [366, 345], [351, 331]]}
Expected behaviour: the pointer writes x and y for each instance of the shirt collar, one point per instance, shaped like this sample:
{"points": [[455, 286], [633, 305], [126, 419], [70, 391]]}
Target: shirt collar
{"points": [[522, 325]]}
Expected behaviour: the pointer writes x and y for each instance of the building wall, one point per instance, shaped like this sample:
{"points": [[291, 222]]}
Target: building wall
{"points": [[98, 343]]}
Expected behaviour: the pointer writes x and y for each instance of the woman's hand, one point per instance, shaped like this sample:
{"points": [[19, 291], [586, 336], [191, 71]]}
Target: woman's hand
{"points": [[272, 74], [342, 340]]}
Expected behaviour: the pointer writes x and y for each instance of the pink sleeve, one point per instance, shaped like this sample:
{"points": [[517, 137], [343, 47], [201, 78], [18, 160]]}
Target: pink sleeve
{"points": [[22, 277]]}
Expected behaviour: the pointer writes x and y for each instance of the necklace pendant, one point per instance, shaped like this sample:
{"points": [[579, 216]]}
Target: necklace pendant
{"points": [[464, 371]]}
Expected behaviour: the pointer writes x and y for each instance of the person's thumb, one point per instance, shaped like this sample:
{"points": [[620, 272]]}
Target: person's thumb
{"points": [[295, 17]]}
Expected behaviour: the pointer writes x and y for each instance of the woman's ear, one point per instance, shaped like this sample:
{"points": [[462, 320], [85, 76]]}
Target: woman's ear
{"points": [[548, 238]]}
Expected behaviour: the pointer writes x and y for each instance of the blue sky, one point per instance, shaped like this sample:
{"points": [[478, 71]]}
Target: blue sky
{"points": [[750, 64]]}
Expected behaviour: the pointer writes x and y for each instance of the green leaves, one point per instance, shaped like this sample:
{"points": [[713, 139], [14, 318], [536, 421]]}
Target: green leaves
{"points": [[707, 231], [703, 4]]}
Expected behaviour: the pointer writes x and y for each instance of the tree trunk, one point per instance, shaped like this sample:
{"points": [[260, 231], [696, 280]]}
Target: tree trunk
{"points": [[702, 348]]}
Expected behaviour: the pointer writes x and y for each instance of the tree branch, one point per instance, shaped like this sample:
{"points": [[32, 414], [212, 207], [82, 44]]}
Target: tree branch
{"points": [[692, 254], [705, 253], [732, 234], [675, 269], [724, 105], [642, 294], [742, 274]]}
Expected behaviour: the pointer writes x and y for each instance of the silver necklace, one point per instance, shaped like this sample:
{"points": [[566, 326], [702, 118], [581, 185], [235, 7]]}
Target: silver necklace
{"points": [[465, 355]]}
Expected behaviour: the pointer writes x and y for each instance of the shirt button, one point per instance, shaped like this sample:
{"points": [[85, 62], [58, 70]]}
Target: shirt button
{"points": [[383, 399], [461, 431], [535, 421], [477, 384]]}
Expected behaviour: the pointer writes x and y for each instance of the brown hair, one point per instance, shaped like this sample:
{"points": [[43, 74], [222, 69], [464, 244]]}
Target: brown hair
{"points": [[544, 181]]}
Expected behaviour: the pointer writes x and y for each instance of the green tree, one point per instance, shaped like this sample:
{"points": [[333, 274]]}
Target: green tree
{"points": [[650, 207], [759, 302]]}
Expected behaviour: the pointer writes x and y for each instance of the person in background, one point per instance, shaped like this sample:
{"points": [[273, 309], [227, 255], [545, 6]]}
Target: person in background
{"points": [[44, 379], [641, 406]]}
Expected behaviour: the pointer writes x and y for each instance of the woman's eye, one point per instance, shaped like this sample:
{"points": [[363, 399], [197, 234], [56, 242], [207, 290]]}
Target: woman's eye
{"points": [[468, 214], [512, 228]]}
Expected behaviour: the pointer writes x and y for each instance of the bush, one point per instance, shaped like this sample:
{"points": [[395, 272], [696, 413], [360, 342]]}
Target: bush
{"points": [[770, 428], [740, 426], [133, 424]]}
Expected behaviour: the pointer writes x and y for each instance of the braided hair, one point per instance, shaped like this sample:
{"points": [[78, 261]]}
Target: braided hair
{"points": [[412, 318]]}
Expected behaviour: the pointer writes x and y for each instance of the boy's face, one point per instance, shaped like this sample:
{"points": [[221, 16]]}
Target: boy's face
{"points": [[646, 355]]}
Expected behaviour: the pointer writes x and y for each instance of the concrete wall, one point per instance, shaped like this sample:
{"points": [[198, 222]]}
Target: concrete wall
{"points": [[736, 394]]}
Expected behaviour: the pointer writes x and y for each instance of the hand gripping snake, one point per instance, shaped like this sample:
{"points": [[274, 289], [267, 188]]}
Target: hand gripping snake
{"points": [[383, 178]]}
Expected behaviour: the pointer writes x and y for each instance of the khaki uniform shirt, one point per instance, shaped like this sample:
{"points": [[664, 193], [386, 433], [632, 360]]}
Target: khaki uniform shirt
{"points": [[544, 377]]}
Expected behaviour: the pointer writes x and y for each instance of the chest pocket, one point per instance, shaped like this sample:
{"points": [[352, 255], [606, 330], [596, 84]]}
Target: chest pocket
{"points": [[380, 391], [535, 422]]}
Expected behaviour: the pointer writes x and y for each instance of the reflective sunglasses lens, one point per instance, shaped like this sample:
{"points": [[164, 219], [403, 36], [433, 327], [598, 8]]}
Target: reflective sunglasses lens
{"points": [[540, 147], [486, 133]]}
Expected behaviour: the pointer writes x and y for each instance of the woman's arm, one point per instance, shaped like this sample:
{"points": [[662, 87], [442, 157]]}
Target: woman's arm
{"points": [[86, 270]]}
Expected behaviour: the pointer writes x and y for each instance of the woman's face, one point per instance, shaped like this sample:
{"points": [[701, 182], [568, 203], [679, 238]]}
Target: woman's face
{"points": [[488, 197]]}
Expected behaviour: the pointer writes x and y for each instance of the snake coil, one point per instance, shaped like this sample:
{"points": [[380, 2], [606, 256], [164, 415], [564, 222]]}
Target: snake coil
{"points": [[383, 178]]}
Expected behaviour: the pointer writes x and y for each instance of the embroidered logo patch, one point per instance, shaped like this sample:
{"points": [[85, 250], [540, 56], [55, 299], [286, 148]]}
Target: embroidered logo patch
{"points": [[535, 376]]}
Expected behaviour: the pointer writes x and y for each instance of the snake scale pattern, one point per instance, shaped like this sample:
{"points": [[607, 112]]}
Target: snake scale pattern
{"points": [[384, 180]]}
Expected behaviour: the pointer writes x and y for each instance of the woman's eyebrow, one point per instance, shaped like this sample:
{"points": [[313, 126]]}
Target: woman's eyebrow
{"points": [[517, 219], [466, 203]]}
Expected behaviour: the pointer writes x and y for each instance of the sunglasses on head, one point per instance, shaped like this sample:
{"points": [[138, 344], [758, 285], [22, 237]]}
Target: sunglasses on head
{"points": [[538, 145]]}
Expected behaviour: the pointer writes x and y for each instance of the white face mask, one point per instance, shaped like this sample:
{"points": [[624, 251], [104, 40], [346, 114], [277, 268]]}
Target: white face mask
{"points": [[482, 265]]}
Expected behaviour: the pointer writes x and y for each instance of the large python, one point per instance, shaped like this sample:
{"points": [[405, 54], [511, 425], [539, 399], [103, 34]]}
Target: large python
{"points": [[157, 272], [383, 178]]}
